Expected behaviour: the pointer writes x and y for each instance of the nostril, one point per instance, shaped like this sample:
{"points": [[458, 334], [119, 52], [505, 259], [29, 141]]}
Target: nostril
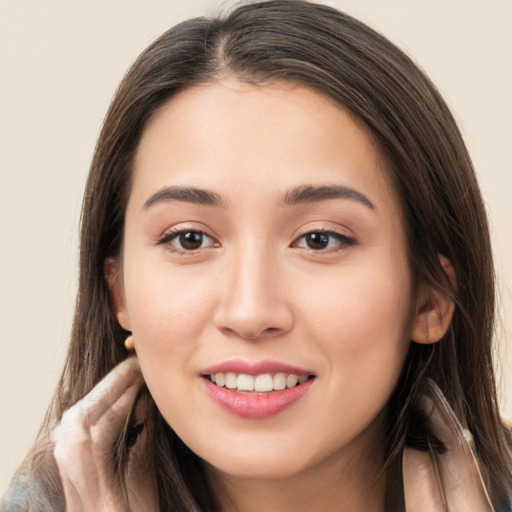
{"points": [[251, 321], [267, 332]]}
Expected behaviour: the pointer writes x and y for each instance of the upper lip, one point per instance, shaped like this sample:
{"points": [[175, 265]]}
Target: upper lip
{"points": [[255, 368]]}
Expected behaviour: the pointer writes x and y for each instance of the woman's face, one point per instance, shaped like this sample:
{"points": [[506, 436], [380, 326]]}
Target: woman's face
{"points": [[264, 245]]}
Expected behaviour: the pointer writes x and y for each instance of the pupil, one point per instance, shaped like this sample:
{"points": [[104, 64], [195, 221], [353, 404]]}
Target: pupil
{"points": [[317, 240], [191, 240]]}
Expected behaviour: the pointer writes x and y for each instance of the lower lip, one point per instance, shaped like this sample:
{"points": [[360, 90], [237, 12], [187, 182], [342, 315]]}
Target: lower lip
{"points": [[256, 405]]}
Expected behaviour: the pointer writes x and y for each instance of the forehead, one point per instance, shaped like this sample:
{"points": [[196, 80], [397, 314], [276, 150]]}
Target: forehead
{"points": [[228, 134]]}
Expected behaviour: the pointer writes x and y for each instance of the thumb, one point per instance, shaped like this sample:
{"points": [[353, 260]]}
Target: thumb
{"points": [[421, 489], [450, 480], [140, 471]]}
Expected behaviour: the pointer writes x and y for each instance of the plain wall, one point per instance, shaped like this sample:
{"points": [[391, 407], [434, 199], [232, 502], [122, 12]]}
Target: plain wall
{"points": [[60, 62]]}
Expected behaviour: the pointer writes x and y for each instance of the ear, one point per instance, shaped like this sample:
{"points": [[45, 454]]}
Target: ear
{"points": [[113, 276], [434, 311]]}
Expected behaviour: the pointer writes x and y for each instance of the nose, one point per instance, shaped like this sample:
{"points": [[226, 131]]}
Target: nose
{"points": [[253, 302]]}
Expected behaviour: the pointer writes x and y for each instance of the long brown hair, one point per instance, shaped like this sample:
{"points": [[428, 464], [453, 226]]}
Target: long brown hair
{"points": [[338, 56]]}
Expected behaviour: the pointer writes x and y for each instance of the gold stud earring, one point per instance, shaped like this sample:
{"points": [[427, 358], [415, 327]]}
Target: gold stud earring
{"points": [[128, 344]]}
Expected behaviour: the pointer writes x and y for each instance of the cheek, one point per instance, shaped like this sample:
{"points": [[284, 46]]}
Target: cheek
{"points": [[360, 327], [165, 304], [167, 311], [359, 309]]}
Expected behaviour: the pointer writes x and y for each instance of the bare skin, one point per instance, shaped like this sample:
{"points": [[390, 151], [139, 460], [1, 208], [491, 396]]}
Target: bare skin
{"points": [[255, 289], [85, 436], [84, 442], [463, 484], [252, 289]]}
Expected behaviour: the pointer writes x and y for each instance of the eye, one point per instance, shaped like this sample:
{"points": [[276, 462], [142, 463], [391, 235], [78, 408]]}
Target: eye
{"points": [[187, 240], [324, 241]]}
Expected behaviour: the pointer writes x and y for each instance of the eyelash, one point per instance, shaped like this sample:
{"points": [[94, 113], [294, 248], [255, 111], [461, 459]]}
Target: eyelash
{"points": [[344, 241], [169, 237]]}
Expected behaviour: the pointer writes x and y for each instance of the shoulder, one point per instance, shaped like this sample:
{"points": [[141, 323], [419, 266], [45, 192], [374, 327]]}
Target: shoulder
{"points": [[17, 497], [33, 492]]}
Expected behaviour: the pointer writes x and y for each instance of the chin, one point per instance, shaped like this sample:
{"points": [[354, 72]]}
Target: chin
{"points": [[255, 470], [262, 465]]}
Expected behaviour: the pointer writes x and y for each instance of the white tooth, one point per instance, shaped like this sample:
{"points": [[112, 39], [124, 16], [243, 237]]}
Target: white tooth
{"points": [[263, 383], [245, 382], [303, 378], [212, 377], [279, 381], [291, 381], [220, 379], [231, 380]]}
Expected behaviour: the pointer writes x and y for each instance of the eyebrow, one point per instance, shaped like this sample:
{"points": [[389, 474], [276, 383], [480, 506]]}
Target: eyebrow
{"points": [[186, 195], [313, 194], [298, 195]]}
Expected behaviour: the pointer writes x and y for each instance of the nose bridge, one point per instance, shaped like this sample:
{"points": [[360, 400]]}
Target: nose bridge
{"points": [[253, 275], [253, 304]]}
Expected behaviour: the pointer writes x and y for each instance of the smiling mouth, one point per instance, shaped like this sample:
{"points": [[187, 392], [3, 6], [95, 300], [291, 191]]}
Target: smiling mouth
{"points": [[264, 383]]}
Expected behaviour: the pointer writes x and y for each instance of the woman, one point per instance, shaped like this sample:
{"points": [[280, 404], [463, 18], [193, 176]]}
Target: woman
{"points": [[283, 223]]}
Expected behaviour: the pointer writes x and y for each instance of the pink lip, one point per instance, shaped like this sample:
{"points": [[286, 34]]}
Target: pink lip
{"points": [[256, 368], [255, 405]]}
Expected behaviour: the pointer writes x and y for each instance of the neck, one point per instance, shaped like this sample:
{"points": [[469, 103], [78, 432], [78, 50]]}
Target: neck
{"points": [[351, 480]]}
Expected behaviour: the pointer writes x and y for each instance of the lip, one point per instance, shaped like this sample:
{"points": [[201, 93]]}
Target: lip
{"points": [[255, 368], [254, 405]]}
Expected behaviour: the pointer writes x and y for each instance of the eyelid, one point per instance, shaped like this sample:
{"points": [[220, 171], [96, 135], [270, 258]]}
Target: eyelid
{"points": [[325, 227], [345, 240], [185, 226], [171, 233]]}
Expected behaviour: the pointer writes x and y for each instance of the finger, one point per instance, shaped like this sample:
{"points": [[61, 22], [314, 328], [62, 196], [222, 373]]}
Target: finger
{"points": [[110, 390], [421, 489], [140, 475], [464, 486], [107, 428], [114, 394], [85, 438], [141, 452], [143, 408]]}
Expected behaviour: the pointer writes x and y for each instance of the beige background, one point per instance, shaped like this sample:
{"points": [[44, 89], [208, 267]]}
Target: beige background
{"points": [[60, 61]]}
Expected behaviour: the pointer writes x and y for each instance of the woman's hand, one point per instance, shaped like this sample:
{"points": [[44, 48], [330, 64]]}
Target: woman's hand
{"points": [[457, 468], [84, 448]]}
